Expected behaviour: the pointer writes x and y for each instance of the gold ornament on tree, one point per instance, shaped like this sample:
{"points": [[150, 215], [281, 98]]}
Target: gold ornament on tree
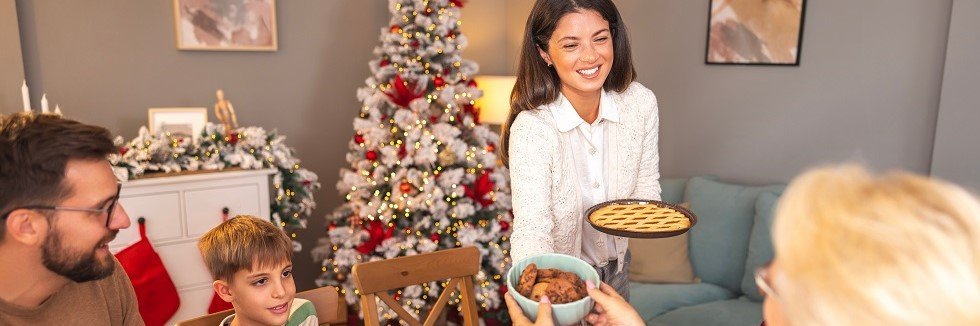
{"points": [[225, 112], [447, 156]]}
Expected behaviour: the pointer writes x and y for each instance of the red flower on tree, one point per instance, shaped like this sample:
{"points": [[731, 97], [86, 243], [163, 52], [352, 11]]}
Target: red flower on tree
{"points": [[402, 93], [376, 234], [480, 190]]}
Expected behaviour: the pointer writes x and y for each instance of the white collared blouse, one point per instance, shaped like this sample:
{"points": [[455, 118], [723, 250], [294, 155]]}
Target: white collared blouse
{"points": [[587, 143]]}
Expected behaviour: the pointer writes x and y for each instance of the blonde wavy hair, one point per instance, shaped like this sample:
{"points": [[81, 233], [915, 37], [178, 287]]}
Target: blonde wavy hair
{"points": [[860, 249]]}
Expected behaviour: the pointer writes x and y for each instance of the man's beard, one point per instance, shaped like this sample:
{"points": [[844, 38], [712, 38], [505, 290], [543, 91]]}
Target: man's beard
{"points": [[78, 267]]}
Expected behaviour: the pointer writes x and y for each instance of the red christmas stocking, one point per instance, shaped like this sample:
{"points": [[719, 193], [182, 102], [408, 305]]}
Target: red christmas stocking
{"points": [[218, 304], [155, 291]]}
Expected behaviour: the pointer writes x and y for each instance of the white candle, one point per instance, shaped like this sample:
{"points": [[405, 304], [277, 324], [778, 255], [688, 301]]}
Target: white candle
{"points": [[44, 104], [57, 109], [26, 97]]}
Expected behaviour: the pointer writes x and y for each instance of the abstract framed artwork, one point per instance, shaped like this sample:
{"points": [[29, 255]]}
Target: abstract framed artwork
{"points": [[180, 122], [755, 32], [226, 25]]}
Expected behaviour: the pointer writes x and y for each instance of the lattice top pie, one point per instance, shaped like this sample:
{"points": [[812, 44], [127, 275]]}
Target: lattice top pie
{"points": [[640, 218]]}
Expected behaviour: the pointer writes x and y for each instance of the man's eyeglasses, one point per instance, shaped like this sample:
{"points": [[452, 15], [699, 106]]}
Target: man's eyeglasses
{"points": [[763, 282], [108, 211]]}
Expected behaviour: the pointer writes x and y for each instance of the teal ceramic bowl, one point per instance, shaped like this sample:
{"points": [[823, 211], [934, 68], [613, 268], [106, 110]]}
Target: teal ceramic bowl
{"points": [[566, 313]]}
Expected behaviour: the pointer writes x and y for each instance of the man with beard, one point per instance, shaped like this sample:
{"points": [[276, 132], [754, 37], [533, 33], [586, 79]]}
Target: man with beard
{"points": [[59, 208]]}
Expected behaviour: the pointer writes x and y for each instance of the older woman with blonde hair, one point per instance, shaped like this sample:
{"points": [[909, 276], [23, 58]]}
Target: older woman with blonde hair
{"points": [[853, 248]]}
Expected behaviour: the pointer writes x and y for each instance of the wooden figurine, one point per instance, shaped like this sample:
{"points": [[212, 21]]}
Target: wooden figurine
{"points": [[225, 112]]}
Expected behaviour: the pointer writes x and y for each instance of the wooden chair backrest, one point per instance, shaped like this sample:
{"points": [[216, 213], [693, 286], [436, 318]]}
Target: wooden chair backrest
{"points": [[459, 265], [330, 309]]}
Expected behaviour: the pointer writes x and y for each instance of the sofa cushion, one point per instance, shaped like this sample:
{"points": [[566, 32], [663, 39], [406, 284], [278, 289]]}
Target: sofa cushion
{"points": [[652, 300], [720, 240], [661, 260], [672, 190], [728, 312], [760, 243]]}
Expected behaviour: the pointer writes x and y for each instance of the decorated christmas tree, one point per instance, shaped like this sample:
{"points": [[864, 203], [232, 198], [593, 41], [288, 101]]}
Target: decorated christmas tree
{"points": [[423, 175]]}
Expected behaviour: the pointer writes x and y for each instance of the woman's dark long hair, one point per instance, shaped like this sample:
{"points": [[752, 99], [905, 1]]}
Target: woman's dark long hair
{"points": [[537, 83]]}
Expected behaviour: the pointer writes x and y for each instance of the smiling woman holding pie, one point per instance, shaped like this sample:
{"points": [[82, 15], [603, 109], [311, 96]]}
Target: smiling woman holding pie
{"points": [[581, 132]]}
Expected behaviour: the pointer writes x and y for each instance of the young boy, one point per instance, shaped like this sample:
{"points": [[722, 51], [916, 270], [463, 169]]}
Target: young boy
{"points": [[251, 262]]}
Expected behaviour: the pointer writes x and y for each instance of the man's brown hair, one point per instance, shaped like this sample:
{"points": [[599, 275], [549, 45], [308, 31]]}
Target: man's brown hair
{"points": [[239, 243], [34, 150]]}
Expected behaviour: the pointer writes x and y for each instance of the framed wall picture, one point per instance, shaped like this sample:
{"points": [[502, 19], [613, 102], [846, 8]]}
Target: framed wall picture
{"points": [[755, 32], [226, 25], [180, 122]]}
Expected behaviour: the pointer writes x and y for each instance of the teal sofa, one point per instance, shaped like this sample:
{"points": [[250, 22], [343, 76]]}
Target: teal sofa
{"points": [[730, 240]]}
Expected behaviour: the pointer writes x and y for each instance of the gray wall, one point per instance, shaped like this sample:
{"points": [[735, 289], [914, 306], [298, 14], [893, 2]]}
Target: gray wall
{"points": [[866, 90], [106, 62], [11, 62], [956, 155]]}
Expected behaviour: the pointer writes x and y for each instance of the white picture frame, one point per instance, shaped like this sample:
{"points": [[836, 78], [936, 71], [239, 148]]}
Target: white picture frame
{"points": [[187, 122]]}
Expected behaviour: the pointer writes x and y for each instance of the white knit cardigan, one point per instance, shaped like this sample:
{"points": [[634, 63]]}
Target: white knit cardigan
{"points": [[548, 215]]}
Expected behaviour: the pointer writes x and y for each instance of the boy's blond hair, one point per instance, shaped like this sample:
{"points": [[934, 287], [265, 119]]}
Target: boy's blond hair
{"points": [[862, 249], [240, 243]]}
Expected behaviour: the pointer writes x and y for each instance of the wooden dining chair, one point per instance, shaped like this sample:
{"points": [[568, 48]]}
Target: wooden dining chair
{"points": [[376, 279], [331, 309]]}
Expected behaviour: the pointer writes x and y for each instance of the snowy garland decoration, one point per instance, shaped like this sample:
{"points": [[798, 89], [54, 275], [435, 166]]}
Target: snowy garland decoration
{"points": [[246, 148]]}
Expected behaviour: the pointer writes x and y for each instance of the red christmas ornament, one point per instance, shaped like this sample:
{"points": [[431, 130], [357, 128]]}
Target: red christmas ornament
{"points": [[397, 296], [450, 34], [333, 225], [123, 150], [491, 147], [359, 139], [415, 44], [371, 155], [384, 62], [402, 93], [402, 152], [434, 237], [458, 3], [405, 187], [504, 226], [439, 81], [396, 29], [480, 190], [434, 119], [471, 83], [233, 139]]}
